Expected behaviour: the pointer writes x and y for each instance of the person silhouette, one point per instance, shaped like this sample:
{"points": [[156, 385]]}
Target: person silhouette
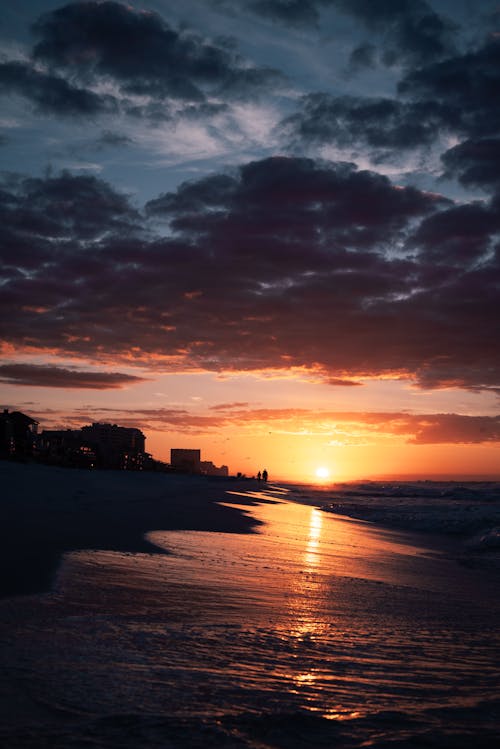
{"points": [[264, 475], [258, 476]]}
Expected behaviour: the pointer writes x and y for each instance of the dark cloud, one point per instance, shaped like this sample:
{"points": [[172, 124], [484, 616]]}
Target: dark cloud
{"points": [[476, 163], [456, 429], [294, 200], [85, 46], [459, 236], [214, 191], [140, 51], [337, 382], [459, 96], [41, 375], [50, 93], [364, 56], [78, 207], [281, 263], [412, 32], [380, 123], [467, 88]]}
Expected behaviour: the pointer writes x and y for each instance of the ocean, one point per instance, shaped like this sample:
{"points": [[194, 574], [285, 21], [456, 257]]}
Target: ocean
{"points": [[357, 615]]}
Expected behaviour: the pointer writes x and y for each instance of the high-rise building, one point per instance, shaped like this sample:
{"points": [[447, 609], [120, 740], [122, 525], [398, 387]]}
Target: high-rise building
{"points": [[184, 460], [17, 434], [115, 446]]}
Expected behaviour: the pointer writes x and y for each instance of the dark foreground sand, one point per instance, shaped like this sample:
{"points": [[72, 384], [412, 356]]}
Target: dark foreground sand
{"points": [[47, 511]]}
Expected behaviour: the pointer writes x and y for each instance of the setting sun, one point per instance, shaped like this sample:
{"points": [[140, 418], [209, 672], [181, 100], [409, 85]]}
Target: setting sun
{"points": [[322, 473]]}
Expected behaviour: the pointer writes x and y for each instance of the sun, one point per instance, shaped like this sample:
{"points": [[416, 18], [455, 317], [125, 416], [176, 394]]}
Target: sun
{"points": [[322, 473]]}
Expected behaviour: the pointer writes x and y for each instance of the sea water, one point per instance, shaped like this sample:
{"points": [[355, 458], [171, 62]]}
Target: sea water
{"points": [[319, 630]]}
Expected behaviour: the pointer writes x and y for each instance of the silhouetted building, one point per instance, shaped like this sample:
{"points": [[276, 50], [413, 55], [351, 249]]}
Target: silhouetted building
{"points": [[185, 461], [98, 445], [115, 447], [209, 469], [66, 447], [17, 435]]}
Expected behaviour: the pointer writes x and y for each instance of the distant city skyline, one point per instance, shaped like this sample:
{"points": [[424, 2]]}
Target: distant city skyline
{"points": [[268, 231]]}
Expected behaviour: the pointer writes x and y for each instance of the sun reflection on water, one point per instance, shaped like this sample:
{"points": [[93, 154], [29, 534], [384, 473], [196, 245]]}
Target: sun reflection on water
{"points": [[312, 556], [305, 623], [294, 615]]}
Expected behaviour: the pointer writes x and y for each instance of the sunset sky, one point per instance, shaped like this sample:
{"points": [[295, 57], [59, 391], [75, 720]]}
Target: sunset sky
{"points": [[268, 229]]}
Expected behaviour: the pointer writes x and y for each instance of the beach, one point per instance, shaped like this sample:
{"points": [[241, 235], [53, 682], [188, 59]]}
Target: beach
{"points": [[177, 611], [46, 511]]}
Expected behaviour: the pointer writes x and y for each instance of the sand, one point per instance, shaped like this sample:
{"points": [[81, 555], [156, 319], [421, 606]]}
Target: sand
{"points": [[180, 623], [46, 511]]}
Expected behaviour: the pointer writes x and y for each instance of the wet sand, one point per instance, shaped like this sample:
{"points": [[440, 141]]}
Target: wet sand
{"points": [[181, 623]]}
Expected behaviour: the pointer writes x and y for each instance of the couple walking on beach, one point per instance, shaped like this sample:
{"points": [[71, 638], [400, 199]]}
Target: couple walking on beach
{"points": [[262, 475]]}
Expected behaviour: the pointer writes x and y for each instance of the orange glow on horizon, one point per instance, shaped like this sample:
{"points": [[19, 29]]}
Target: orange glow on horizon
{"points": [[294, 458], [245, 421]]}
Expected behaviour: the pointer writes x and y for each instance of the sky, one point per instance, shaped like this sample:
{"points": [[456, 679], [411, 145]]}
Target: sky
{"points": [[268, 229]]}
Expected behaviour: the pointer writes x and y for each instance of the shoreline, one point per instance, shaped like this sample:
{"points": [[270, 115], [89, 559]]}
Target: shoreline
{"points": [[467, 531], [307, 622], [47, 511]]}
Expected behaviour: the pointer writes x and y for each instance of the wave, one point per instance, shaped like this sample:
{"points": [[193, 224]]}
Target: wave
{"points": [[470, 509]]}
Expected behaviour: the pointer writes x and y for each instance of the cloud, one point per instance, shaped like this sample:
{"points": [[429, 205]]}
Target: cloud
{"points": [[456, 429], [454, 97], [460, 236], [346, 428], [97, 58], [229, 406], [466, 87], [380, 123], [52, 93], [280, 263], [208, 192], [140, 51], [337, 382], [411, 31], [65, 205], [41, 375], [475, 162], [363, 56], [292, 199]]}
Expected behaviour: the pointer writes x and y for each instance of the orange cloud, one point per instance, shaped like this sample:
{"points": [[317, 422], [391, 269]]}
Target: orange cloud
{"points": [[340, 428]]}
